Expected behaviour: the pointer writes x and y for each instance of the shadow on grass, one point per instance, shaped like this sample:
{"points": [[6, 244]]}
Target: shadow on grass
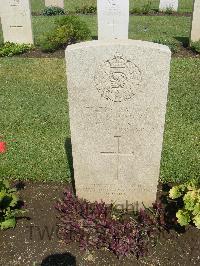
{"points": [[68, 151], [65, 259], [183, 40], [155, 10]]}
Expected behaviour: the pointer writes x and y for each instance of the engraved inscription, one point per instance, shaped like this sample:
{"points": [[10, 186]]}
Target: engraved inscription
{"points": [[112, 3], [112, 9], [117, 79], [109, 189], [15, 3]]}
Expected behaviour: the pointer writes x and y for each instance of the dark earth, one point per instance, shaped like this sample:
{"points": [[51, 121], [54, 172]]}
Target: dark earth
{"points": [[37, 53], [155, 12], [34, 241]]}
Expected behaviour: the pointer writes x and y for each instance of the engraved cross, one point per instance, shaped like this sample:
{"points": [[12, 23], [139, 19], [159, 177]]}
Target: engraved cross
{"points": [[118, 154]]}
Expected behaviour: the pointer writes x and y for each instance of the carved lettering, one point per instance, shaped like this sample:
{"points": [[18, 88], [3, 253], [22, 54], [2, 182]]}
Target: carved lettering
{"points": [[109, 189]]}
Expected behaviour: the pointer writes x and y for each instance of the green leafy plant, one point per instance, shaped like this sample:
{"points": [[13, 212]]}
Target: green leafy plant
{"points": [[8, 205], [86, 9], [145, 9], [189, 193], [195, 46], [69, 29], [53, 11], [173, 44], [169, 11], [10, 49], [136, 10]]}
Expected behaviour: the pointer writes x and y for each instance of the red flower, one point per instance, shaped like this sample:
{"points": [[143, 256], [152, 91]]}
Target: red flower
{"points": [[2, 147]]}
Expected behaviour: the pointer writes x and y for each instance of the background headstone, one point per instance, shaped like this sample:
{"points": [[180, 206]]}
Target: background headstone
{"points": [[113, 19], [164, 4], [195, 31], [16, 21], [58, 3], [117, 116]]}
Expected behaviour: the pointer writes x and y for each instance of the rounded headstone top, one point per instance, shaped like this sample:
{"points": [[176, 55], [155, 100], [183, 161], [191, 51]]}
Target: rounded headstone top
{"points": [[113, 43]]}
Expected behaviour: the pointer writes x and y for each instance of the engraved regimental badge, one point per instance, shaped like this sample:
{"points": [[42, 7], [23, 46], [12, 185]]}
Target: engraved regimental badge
{"points": [[117, 79]]}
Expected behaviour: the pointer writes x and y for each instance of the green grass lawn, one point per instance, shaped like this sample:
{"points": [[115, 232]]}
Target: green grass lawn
{"points": [[70, 5], [141, 27], [34, 111], [34, 120], [181, 151]]}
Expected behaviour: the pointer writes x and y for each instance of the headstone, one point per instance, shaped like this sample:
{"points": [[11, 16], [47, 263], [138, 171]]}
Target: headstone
{"points": [[16, 21], [195, 31], [58, 3], [113, 19], [165, 4], [117, 116]]}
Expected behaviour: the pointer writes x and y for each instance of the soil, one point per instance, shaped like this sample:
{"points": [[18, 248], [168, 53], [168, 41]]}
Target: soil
{"points": [[34, 241], [37, 53], [153, 13], [185, 53], [161, 14]]}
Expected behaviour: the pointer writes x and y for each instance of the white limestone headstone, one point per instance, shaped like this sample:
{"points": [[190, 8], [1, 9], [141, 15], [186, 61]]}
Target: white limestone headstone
{"points": [[165, 4], [195, 30], [16, 21], [117, 117], [113, 19], [58, 3]]}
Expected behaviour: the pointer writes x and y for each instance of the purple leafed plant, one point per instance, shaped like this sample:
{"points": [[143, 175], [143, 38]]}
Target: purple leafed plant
{"points": [[97, 225]]}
